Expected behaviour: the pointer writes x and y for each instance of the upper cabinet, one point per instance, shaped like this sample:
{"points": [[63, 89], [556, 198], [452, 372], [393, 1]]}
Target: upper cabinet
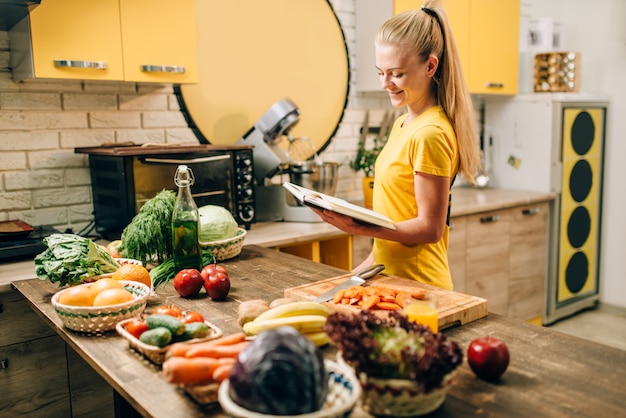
{"points": [[487, 37], [486, 33], [129, 40]]}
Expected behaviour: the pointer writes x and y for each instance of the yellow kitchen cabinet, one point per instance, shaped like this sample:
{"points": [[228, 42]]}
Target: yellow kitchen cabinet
{"points": [[487, 35], [129, 40], [336, 252]]}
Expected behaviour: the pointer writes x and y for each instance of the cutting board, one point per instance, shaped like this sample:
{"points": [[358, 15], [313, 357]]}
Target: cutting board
{"points": [[454, 308]]}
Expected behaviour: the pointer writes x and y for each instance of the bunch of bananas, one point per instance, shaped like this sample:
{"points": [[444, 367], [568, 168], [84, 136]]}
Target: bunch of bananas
{"points": [[307, 317]]}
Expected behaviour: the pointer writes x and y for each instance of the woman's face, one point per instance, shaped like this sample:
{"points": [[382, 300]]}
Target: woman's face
{"points": [[406, 79]]}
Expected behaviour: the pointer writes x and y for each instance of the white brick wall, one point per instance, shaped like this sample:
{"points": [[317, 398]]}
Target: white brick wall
{"points": [[42, 180]]}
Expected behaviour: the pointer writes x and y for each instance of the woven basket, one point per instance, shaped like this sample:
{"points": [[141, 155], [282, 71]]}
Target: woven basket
{"points": [[227, 248], [96, 319], [343, 392], [401, 398], [157, 354]]}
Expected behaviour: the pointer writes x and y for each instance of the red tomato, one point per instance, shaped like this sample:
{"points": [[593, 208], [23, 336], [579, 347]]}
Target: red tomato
{"points": [[136, 327], [192, 316], [170, 310]]}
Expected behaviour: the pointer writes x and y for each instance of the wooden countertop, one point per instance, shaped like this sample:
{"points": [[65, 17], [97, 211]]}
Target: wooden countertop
{"points": [[550, 375], [465, 200]]}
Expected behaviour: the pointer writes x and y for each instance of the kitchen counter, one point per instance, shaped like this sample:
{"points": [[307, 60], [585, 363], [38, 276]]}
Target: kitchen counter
{"points": [[465, 200], [550, 375]]}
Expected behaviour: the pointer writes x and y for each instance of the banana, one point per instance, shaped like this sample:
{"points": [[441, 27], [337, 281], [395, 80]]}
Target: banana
{"points": [[303, 323], [295, 309], [319, 338]]}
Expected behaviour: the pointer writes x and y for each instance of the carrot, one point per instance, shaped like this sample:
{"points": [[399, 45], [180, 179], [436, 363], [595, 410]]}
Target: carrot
{"points": [[217, 351], [223, 370], [181, 349], [370, 301], [189, 371], [388, 306], [402, 298], [338, 296]]}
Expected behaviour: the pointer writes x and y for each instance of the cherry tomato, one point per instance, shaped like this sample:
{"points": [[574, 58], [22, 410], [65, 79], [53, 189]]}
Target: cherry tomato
{"points": [[136, 327], [192, 316], [170, 310]]}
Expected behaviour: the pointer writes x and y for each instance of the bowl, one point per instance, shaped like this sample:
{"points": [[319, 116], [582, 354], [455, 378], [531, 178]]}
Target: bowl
{"points": [[227, 248], [344, 391], [97, 319], [401, 398]]}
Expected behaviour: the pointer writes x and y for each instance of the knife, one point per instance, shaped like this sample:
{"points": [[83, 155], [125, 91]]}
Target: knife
{"points": [[356, 280]]}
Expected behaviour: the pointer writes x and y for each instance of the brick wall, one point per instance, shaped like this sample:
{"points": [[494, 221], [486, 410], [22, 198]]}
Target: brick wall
{"points": [[42, 180]]}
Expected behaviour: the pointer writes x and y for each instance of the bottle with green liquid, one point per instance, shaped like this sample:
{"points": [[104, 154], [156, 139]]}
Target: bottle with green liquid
{"points": [[185, 223]]}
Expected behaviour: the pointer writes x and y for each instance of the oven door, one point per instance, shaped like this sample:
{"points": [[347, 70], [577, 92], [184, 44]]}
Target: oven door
{"points": [[213, 173]]}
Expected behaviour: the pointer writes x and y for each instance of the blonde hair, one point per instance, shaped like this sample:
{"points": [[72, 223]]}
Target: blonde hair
{"points": [[426, 32]]}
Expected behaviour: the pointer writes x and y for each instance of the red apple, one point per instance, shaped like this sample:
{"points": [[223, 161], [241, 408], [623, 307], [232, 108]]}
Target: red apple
{"points": [[209, 268], [488, 357], [188, 283], [216, 281]]}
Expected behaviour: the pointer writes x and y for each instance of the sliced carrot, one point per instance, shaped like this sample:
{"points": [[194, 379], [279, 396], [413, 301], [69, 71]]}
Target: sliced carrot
{"points": [[189, 371], [417, 293], [402, 298], [370, 301], [338, 296], [388, 306], [217, 351], [388, 298]]}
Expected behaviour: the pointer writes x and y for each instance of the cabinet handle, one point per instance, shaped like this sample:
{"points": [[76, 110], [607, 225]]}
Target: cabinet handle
{"points": [[94, 65], [487, 219], [163, 69], [4, 363], [532, 211], [494, 85], [190, 161]]}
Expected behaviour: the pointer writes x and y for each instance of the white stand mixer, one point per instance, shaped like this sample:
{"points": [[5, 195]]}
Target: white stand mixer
{"points": [[269, 160]]}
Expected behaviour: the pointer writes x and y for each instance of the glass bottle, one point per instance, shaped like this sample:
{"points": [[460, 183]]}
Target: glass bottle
{"points": [[185, 223]]}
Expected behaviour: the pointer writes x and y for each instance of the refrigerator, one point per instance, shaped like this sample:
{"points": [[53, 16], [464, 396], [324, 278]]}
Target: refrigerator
{"points": [[554, 142]]}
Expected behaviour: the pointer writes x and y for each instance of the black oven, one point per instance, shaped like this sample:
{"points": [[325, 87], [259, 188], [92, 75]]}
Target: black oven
{"points": [[123, 178]]}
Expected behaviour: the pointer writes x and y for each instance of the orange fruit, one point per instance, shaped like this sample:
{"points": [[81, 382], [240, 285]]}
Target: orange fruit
{"points": [[103, 284], [133, 272], [77, 296], [112, 297]]}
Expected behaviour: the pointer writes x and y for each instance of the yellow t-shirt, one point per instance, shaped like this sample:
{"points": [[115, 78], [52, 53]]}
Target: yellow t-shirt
{"points": [[428, 145]]}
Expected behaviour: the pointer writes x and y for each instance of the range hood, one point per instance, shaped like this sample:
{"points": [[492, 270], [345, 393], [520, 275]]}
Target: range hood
{"points": [[14, 11]]}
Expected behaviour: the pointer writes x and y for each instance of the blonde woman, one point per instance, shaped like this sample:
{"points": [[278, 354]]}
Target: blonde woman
{"points": [[431, 143]]}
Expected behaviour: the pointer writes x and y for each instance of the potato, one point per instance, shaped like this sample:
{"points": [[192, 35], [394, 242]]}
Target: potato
{"points": [[250, 309], [282, 301]]}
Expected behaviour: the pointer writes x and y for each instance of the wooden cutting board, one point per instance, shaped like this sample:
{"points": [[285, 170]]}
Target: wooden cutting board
{"points": [[454, 308]]}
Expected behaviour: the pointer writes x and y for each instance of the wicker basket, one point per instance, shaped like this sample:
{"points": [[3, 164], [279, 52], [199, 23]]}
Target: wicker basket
{"points": [[401, 398], [343, 392], [157, 354], [227, 248], [96, 319]]}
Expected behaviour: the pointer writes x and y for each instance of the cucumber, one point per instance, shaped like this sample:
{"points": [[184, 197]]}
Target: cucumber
{"points": [[196, 330], [159, 336], [175, 325]]}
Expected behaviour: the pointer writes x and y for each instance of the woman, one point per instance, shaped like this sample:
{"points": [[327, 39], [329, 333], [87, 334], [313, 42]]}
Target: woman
{"points": [[419, 67]]}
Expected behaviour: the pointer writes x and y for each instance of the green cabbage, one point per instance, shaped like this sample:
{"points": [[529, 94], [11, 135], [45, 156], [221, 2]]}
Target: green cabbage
{"points": [[216, 223]]}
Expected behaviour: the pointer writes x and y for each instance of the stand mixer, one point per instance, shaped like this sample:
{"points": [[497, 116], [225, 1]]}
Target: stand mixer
{"points": [[274, 203]]}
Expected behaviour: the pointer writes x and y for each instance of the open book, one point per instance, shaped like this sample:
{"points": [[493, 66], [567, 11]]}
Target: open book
{"points": [[323, 201]]}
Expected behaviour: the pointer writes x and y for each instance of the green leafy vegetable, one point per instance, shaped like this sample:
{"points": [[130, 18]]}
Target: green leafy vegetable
{"points": [[70, 259], [148, 237], [216, 223], [393, 347]]}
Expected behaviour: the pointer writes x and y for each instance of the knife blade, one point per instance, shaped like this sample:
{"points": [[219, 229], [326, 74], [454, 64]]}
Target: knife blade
{"points": [[356, 280]]}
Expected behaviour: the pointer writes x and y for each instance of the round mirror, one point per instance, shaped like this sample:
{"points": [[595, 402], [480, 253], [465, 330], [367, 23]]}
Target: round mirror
{"points": [[255, 53]]}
